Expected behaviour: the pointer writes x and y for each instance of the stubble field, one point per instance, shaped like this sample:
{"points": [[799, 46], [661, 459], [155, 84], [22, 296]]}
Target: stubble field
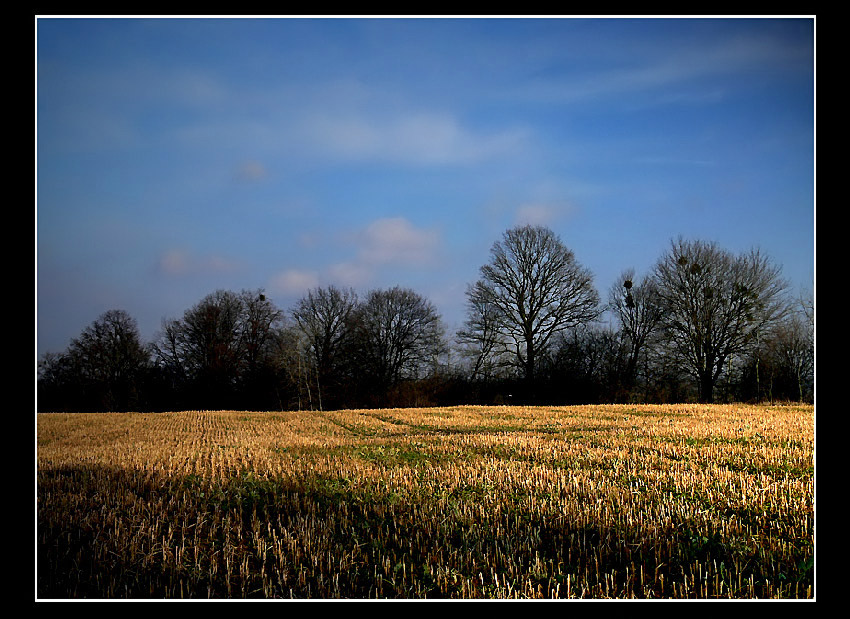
{"points": [[678, 501]]}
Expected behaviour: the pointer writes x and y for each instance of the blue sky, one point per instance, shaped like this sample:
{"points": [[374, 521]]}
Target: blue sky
{"points": [[178, 156]]}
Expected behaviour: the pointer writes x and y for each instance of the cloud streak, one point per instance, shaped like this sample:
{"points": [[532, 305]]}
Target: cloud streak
{"points": [[183, 263], [293, 282], [384, 243], [672, 71], [418, 138], [395, 240]]}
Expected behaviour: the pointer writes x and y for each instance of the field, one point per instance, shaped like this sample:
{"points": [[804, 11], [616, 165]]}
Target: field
{"points": [[681, 501]]}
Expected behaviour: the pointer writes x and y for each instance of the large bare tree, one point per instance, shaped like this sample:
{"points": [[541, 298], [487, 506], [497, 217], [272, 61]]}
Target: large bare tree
{"points": [[534, 288], [715, 304], [225, 338], [106, 363], [323, 318], [398, 335], [258, 325], [212, 346]]}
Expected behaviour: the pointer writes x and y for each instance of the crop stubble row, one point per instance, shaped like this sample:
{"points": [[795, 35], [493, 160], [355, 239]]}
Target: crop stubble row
{"points": [[462, 502]]}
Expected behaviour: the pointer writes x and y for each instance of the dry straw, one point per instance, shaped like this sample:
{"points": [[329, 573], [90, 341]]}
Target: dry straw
{"points": [[464, 502]]}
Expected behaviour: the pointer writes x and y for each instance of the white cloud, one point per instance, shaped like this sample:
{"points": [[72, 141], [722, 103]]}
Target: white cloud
{"points": [[542, 214], [293, 281], [349, 274], [535, 214], [181, 262], [396, 241], [417, 138], [386, 242], [174, 262]]}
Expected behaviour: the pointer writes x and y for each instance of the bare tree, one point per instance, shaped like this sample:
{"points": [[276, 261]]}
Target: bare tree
{"points": [[287, 384], [211, 339], [715, 305], [636, 306], [168, 352], [323, 318], [222, 340], [535, 288], [791, 349], [108, 359], [807, 308], [480, 339], [259, 319], [398, 334]]}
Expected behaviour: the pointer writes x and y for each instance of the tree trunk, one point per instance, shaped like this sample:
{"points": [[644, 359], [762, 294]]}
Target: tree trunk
{"points": [[706, 387], [529, 370]]}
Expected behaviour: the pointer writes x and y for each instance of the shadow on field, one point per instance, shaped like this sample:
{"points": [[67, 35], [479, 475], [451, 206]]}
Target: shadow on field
{"points": [[115, 533]]}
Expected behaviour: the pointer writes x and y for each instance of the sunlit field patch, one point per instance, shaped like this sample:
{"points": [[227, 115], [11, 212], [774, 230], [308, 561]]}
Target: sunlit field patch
{"points": [[684, 501]]}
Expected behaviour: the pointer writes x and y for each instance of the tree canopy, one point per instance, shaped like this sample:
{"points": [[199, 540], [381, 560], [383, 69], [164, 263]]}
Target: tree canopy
{"points": [[532, 288], [715, 304]]}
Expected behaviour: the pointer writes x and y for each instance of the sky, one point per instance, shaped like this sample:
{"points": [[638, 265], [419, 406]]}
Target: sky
{"points": [[179, 156]]}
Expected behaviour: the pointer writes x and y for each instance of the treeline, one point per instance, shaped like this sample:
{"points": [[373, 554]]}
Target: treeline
{"points": [[703, 325]]}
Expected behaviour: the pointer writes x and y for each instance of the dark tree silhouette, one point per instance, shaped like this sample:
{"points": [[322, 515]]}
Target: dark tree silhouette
{"points": [[704, 323], [397, 335], [638, 311], [103, 369], [715, 304], [535, 288], [257, 326], [323, 318], [223, 342]]}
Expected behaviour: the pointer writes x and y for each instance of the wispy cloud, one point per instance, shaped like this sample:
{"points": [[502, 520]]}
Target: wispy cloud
{"points": [[383, 243], [182, 262], [674, 71], [350, 274], [293, 282], [395, 240], [421, 138], [336, 118]]}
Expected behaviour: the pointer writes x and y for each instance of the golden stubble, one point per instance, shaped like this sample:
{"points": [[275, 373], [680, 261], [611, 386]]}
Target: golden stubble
{"points": [[619, 501]]}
